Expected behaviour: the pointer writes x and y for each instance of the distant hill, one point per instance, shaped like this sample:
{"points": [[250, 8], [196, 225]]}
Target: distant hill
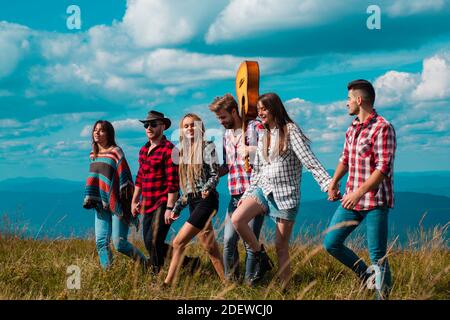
{"points": [[53, 208], [410, 210], [41, 185]]}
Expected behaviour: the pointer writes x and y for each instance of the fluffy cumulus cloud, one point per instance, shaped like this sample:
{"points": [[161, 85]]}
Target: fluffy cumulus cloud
{"points": [[416, 104], [147, 59], [104, 62], [153, 23], [14, 44], [435, 78], [433, 83], [393, 87], [324, 124]]}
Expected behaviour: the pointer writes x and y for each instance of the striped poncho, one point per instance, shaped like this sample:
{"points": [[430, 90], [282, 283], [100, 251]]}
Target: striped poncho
{"points": [[109, 185]]}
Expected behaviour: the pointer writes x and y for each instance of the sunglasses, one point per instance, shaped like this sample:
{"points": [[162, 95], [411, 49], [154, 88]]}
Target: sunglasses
{"points": [[152, 123]]}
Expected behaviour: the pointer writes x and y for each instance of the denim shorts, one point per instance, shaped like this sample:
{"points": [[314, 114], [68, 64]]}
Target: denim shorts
{"points": [[271, 207]]}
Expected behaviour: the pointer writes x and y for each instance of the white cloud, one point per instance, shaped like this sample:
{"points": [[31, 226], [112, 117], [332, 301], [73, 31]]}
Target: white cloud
{"points": [[171, 66], [14, 45], [392, 87], [153, 23], [127, 125], [244, 17], [401, 8], [44, 125], [432, 83], [250, 17], [435, 79], [416, 104], [86, 131]]}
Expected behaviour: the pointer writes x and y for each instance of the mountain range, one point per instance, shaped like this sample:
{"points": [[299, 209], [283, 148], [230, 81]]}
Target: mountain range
{"points": [[52, 208]]}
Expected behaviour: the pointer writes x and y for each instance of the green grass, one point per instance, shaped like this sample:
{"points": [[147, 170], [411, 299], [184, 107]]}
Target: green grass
{"points": [[37, 269]]}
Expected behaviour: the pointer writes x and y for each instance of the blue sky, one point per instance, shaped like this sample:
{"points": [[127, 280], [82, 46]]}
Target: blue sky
{"points": [[176, 56]]}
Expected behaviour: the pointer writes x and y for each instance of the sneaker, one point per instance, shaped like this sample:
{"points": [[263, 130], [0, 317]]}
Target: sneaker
{"points": [[263, 264]]}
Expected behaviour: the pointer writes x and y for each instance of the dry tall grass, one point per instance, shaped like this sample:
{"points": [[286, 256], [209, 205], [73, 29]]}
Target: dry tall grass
{"points": [[37, 269]]}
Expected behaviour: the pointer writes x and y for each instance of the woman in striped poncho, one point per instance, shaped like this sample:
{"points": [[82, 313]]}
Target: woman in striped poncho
{"points": [[109, 189]]}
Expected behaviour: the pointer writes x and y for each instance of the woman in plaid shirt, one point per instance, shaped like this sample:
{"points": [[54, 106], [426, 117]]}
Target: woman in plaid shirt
{"points": [[198, 171], [275, 182]]}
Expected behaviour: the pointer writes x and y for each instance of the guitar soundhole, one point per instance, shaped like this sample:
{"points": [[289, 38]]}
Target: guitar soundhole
{"points": [[243, 103]]}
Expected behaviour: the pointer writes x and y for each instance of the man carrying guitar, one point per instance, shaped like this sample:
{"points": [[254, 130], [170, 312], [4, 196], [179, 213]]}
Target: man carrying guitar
{"points": [[235, 150]]}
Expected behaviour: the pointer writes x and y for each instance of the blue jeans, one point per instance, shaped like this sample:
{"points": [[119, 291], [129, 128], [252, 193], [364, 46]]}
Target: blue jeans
{"points": [[377, 233], [107, 226], [230, 242]]}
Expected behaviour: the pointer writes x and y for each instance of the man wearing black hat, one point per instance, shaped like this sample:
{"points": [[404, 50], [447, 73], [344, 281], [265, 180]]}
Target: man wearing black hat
{"points": [[157, 184]]}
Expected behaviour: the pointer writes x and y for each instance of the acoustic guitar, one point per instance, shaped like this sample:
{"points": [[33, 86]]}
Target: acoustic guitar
{"points": [[247, 93]]}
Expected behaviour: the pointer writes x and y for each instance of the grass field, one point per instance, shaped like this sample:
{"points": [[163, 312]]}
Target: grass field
{"points": [[37, 269]]}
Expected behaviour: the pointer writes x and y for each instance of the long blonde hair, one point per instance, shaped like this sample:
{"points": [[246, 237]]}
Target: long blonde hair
{"points": [[191, 154]]}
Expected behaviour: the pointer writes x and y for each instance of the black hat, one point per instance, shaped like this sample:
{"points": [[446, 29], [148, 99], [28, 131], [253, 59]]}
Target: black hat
{"points": [[155, 115]]}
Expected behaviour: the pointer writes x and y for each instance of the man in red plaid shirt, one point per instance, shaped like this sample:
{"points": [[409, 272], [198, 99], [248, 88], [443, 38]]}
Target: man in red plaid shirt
{"points": [[368, 158], [157, 182]]}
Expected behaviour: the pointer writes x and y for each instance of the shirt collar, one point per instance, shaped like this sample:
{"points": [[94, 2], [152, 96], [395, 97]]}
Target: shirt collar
{"points": [[163, 141], [369, 119]]}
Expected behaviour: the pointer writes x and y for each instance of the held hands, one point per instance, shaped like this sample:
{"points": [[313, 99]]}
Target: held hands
{"points": [[135, 208], [333, 192]]}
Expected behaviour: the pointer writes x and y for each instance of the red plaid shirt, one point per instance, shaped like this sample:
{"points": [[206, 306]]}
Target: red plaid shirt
{"points": [[238, 178], [157, 175], [370, 146]]}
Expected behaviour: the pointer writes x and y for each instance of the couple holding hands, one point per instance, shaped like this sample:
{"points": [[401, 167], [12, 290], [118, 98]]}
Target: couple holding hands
{"points": [[278, 150]]}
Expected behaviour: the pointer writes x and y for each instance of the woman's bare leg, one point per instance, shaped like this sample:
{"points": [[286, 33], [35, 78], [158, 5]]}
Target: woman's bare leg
{"points": [[184, 236], [247, 210], [283, 233], [208, 242]]}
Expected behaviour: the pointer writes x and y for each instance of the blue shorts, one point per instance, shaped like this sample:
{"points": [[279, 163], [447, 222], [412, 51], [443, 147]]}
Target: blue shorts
{"points": [[270, 207]]}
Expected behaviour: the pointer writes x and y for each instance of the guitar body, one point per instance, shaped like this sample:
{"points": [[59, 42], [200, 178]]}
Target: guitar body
{"points": [[247, 89], [247, 93]]}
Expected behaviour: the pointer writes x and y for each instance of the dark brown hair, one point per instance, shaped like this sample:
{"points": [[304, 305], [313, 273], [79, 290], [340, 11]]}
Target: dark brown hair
{"points": [[110, 135], [366, 88], [226, 102], [272, 102]]}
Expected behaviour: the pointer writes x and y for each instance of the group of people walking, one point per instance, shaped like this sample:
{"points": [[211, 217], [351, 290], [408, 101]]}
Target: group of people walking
{"points": [[170, 179]]}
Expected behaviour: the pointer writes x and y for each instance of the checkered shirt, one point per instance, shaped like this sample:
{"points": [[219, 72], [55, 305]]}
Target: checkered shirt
{"points": [[370, 146], [207, 181], [282, 175], [233, 162], [157, 175]]}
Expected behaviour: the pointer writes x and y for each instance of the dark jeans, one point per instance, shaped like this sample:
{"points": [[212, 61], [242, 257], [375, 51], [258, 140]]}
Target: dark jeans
{"points": [[155, 232]]}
